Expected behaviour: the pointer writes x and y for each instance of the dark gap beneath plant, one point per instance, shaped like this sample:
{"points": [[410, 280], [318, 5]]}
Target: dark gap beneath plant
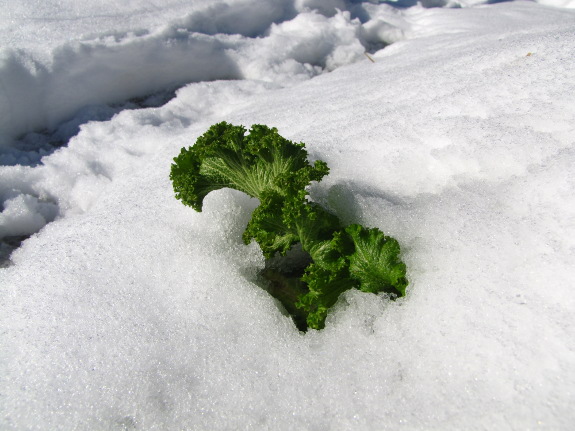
{"points": [[282, 280]]}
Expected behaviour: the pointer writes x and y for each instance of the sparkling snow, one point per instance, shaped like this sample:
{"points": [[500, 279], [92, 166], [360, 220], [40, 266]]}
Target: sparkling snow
{"points": [[124, 310]]}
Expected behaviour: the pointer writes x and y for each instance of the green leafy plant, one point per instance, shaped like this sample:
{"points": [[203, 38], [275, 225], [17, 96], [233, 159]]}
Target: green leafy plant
{"points": [[276, 171]]}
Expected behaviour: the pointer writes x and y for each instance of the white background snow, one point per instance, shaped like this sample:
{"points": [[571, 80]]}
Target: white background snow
{"points": [[125, 310]]}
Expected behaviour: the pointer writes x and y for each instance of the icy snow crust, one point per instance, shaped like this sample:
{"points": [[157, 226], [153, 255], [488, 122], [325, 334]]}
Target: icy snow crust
{"points": [[131, 311]]}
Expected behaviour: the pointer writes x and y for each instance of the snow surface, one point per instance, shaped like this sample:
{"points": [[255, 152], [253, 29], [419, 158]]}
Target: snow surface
{"points": [[127, 310]]}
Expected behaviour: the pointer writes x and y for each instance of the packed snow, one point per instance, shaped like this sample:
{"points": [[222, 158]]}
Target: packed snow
{"points": [[450, 128]]}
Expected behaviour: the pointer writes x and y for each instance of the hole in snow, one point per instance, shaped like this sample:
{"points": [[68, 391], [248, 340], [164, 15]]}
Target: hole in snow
{"points": [[281, 278]]}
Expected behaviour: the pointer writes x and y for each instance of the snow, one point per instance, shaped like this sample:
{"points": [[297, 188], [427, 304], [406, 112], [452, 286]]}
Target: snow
{"points": [[126, 310]]}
